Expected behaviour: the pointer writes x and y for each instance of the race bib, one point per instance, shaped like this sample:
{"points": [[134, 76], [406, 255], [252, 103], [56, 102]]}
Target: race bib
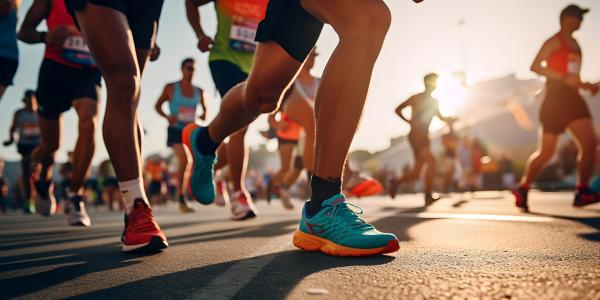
{"points": [[76, 51], [186, 114], [243, 32], [30, 130]]}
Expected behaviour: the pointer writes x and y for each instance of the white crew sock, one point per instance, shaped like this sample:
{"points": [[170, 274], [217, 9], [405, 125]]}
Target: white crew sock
{"points": [[132, 190]]}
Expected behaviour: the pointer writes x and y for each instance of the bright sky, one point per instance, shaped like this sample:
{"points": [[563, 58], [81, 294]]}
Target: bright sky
{"points": [[499, 37]]}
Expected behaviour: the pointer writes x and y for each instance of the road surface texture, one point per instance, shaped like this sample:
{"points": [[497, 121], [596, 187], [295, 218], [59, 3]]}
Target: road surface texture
{"points": [[464, 246]]}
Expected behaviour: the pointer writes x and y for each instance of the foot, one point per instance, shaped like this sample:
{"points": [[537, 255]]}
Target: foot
{"points": [[184, 208], [393, 189], [222, 197], [242, 207], [45, 202], [141, 232], [201, 183], [585, 197], [76, 212], [284, 195], [338, 230], [521, 197], [430, 198]]}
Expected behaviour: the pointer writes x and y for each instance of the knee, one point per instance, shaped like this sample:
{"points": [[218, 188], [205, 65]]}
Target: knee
{"points": [[123, 85], [87, 126], [368, 30], [263, 99], [545, 155]]}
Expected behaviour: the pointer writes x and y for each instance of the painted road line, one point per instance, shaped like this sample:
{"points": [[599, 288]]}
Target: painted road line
{"points": [[230, 282], [480, 217]]}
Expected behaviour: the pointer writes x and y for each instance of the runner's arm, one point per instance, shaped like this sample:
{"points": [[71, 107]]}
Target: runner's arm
{"points": [[548, 48], [401, 107], [193, 16], [12, 130], [164, 97], [203, 105], [35, 15]]}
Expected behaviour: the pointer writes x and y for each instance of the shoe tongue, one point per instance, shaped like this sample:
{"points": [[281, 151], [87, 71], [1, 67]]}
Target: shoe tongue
{"points": [[334, 201]]}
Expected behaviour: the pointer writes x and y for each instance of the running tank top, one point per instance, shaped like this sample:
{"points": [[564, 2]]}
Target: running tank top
{"points": [[8, 36], [237, 22], [182, 107], [423, 112], [74, 52], [567, 59], [308, 92], [27, 127]]}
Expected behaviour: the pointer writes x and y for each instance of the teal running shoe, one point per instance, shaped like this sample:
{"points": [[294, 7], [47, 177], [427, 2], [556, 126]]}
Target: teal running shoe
{"points": [[201, 182], [338, 230]]}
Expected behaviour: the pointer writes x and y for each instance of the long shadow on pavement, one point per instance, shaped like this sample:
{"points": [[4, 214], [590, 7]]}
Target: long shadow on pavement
{"points": [[590, 222]]}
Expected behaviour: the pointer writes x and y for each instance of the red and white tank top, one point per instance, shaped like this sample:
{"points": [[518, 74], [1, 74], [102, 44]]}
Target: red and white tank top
{"points": [[74, 52], [567, 59]]}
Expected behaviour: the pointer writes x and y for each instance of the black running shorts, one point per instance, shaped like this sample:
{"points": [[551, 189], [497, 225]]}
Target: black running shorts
{"points": [[59, 85], [562, 106], [8, 68], [226, 75], [289, 25], [142, 16]]}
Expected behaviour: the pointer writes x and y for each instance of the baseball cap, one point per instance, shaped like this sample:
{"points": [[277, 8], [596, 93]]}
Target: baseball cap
{"points": [[573, 10]]}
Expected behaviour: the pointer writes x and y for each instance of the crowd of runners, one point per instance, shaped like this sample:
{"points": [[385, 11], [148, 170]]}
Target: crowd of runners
{"points": [[260, 61]]}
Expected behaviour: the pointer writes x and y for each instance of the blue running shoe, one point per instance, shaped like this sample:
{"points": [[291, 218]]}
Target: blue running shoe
{"points": [[201, 182]]}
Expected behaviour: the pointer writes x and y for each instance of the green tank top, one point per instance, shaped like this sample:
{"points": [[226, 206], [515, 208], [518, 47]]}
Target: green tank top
{"points": [[237, 21]]}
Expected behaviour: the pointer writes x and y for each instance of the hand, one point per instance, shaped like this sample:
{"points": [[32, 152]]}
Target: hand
{"points": [[172, 120], [573, 81], [202, 117], [155, 53], [417, 1], [57, 36], [8, 142], [205, 43]]}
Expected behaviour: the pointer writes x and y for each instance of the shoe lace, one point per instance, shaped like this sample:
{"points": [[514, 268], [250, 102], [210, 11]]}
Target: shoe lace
{"points": [[348, 218]]}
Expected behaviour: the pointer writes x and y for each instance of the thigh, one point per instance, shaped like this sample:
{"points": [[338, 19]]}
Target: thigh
{"points": [[50, 131], [583, 132]]}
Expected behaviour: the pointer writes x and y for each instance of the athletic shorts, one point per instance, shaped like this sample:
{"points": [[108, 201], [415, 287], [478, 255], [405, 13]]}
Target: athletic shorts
{"points": [[142, 16], [562, 106], [26, 149], [8, 68], [174, 136], [154, 188], [289, 25], [226, 75], [418, 139], [59, 85]]}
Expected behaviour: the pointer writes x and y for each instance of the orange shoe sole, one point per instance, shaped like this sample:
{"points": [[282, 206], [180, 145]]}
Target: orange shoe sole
{"points": [[308, 242]]}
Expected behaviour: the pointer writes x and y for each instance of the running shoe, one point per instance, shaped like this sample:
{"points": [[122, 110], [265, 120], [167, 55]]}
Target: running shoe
{"points": [[338, 230], [242, 207], [184, 208], [222, 197], [45, 202], [141, 232], [284, 196], [393, 189], [430, 198], [201, 183], [595, 186], [76, 212], [521, 197], [585, 197]]}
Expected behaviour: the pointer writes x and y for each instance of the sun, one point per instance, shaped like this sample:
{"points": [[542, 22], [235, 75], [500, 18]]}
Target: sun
{"points": [[451, 94]]}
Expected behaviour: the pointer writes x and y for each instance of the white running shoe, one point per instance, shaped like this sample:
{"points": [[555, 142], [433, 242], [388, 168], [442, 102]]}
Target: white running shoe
{"points": [[242, 207], [45, 202], [76, 212]]}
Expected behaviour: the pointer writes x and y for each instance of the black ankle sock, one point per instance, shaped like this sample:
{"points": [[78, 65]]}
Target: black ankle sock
{"points": [[181, 199], [322, 189], [204, 143]]}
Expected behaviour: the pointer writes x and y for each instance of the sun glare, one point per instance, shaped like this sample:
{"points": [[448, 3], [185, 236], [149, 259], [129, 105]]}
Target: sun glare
{"points": [[451, 94]]}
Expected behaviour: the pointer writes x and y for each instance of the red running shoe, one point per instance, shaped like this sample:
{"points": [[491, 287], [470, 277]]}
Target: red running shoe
{"points": [[521, 197], [141, 231], [585, 197]]}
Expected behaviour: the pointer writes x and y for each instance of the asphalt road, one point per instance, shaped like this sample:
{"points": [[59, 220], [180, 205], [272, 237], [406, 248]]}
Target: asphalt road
{"points": [[464, 246]]}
